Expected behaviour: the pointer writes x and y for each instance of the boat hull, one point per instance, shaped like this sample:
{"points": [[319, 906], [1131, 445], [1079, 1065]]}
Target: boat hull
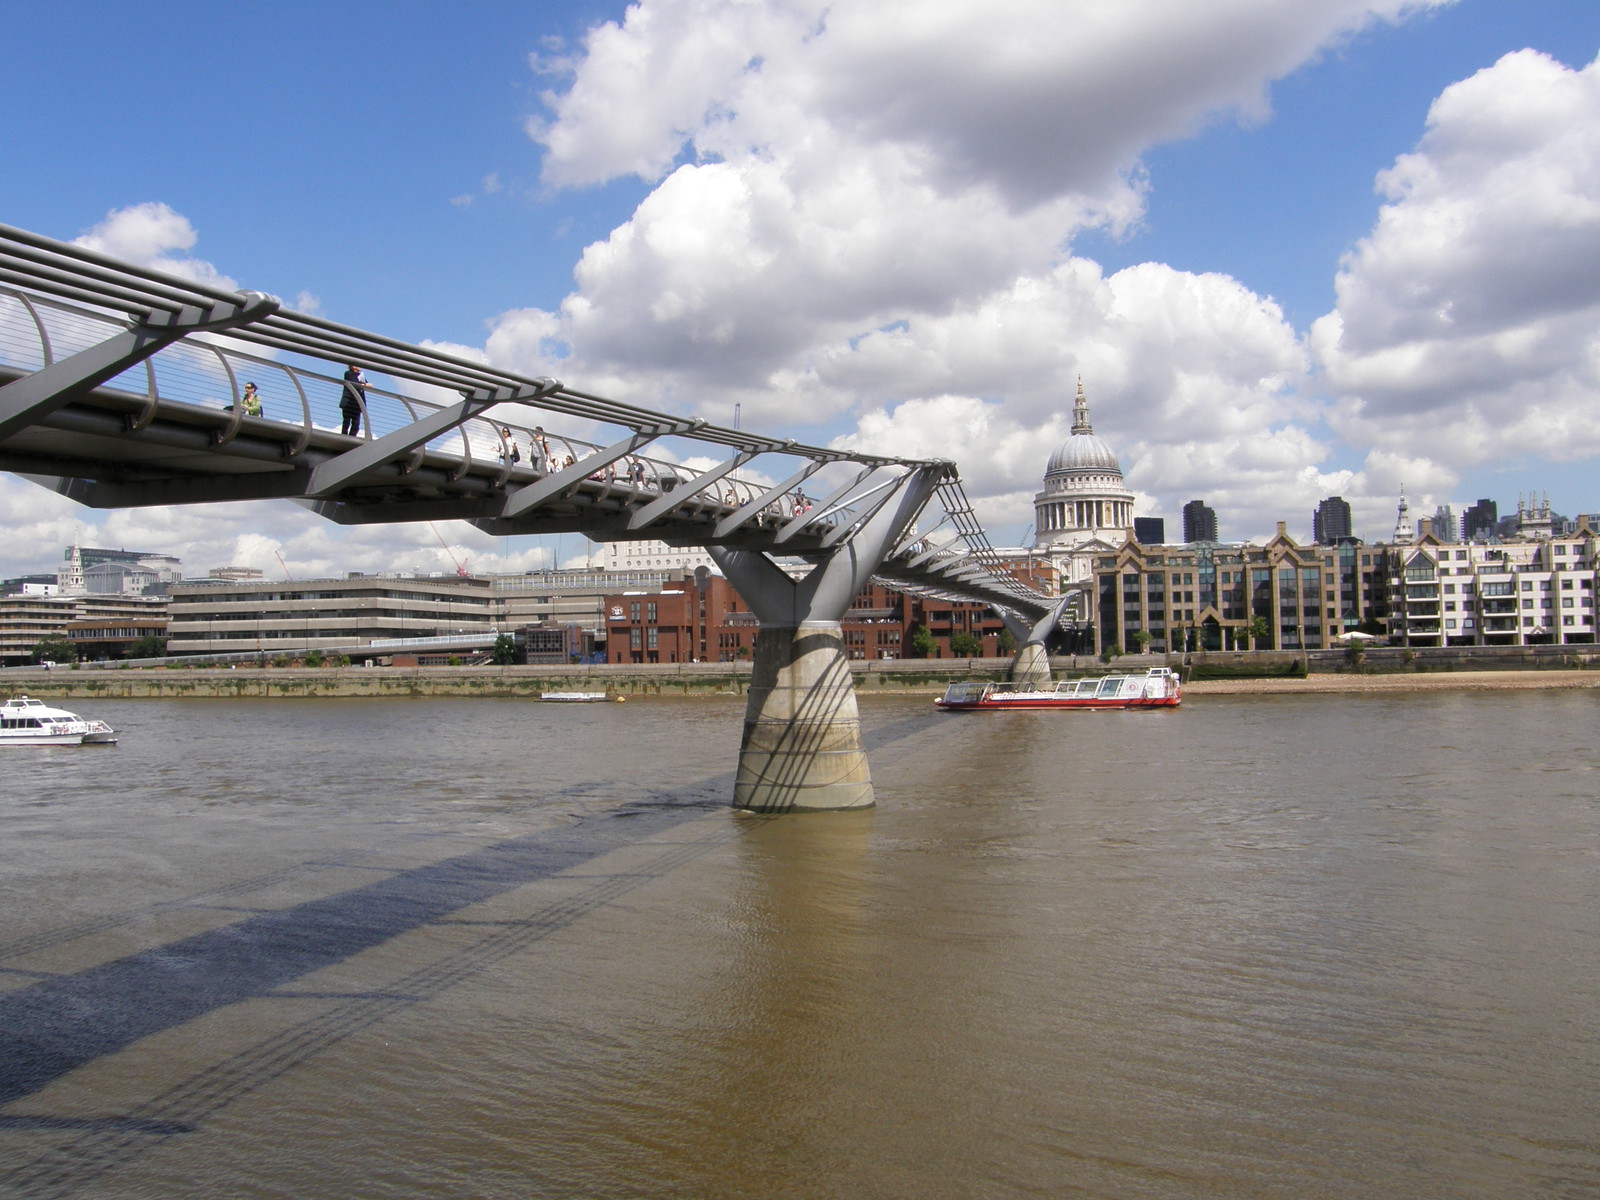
{"points": [[1047, 702], [41, 739]]}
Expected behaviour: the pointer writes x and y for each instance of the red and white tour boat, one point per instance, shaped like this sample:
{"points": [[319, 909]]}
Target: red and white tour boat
{"points": [[1158, 687]]}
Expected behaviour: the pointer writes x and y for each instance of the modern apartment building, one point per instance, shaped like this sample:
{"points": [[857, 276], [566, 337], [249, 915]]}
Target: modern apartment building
{"points": [[1486, 594], [1237, 597]]}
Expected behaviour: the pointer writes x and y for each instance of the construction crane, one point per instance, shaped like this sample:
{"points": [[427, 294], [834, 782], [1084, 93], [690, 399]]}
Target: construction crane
{"points": [[288, 578], [461, 564]]}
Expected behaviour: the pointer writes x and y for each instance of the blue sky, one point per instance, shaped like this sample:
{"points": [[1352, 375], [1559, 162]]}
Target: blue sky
{"points": [[1159, 209]]}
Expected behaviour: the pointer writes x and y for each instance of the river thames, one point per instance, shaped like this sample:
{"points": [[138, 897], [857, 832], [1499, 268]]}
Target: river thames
{"points": [[1262, 946]]}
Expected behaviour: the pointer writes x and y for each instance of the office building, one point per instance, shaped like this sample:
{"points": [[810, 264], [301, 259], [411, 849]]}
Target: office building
{"points": [[1209, 596], [1445, 525], [1479, 521], [1149, 531], [1199, 522], [95, 621], [293, 616], [1331, 522]]}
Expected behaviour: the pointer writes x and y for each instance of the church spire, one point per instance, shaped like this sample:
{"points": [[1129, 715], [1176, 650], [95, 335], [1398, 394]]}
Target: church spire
{"points": [[1403, 535], [1080, 412]]}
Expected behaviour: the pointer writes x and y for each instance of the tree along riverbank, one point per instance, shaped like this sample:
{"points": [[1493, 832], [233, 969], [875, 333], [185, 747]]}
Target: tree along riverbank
{"points": [[1329, 671]]}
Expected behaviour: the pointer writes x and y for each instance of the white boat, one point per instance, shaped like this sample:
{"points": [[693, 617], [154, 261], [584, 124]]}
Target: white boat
{"points": [[26, 722], [574, 697], [1157, 688]]}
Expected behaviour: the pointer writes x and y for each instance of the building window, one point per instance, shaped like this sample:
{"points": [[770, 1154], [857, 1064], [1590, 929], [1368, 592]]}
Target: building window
{"points": [[635, 639]]}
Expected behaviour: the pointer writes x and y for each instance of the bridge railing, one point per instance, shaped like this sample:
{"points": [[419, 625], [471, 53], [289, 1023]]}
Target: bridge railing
{"points": [[206, 372]]}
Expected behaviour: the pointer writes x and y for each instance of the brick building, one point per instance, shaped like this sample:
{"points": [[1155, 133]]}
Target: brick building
{"points": [[701, 618]]}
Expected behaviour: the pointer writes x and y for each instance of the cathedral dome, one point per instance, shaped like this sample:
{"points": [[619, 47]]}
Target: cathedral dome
{"points": [[1083, 452]]}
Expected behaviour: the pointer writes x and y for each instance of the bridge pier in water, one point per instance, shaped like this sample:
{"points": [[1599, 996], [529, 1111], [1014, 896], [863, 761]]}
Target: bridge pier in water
{"points": [[801, 748]]}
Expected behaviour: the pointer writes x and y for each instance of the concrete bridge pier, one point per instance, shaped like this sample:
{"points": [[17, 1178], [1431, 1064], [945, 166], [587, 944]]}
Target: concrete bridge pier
{"points": [[801, 749]]}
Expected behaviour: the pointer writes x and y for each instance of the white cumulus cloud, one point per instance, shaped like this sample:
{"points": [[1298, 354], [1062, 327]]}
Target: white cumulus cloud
{"points": [[863, 215], [148, 235], [1468, 321]]}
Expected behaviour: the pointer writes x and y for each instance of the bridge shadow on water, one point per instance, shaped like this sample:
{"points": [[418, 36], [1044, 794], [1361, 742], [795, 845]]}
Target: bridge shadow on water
{"points": [[62, 1023]]}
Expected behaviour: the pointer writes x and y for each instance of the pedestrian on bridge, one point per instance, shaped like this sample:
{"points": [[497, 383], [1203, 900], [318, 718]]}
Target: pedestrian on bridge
{"points": [[252, 401], [353, 401]]}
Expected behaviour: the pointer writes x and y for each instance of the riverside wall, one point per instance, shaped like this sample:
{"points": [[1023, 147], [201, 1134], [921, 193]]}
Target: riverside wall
{"points": [[663, 679], [1336, 669]]}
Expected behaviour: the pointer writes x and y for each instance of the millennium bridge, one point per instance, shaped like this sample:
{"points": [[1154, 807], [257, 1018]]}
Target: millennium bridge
{"points": [[122, 387]]}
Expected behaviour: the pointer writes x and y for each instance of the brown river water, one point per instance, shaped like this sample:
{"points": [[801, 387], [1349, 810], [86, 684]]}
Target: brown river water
{"points": [[1277, 947]]}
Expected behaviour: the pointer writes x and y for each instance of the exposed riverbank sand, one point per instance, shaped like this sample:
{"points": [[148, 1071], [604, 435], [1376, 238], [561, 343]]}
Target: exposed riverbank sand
{"points": [[1408, 682]]}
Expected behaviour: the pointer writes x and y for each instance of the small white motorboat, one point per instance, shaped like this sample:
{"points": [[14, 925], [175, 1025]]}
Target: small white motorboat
{"points": [[27, 722], [575, 697]]}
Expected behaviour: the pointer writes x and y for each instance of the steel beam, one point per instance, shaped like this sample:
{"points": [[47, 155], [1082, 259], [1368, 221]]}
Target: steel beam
{"points": [[151, 493]]}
